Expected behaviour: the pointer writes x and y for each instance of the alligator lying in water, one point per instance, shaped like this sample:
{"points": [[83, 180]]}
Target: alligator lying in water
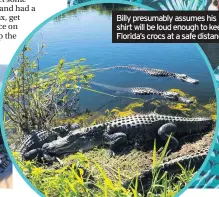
{"points": [[156, 73], [171, 166], [172, 96], [133, 129]]}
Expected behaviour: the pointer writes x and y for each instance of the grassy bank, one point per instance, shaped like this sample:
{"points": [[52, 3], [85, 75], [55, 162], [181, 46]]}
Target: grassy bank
{"points": [[94, 173]]}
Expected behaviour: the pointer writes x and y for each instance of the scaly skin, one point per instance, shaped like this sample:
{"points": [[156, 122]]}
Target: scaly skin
{"points": [[156, 73], [144, 179], [131, 129], [173, 96], [32, 144], [34, 141]]}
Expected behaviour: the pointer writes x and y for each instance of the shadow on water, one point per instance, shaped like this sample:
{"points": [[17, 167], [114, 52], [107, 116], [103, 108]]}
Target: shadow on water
{"points": [[102, 9]]}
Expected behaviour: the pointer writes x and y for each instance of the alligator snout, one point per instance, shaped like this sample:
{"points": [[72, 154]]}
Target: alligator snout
{"points": [[173, 96], [192, 81], [187, 79], [196, 82], [185, 100]]}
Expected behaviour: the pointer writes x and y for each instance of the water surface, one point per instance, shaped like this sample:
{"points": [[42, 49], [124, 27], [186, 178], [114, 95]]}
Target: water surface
{"points": [[87, 34]]}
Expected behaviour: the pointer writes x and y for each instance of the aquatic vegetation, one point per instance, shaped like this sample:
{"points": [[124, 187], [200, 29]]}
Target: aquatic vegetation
{"points": [[74, 177], [92, 118], [195, 108], [180, 107], [128, 110], [180, 92], [81, 119], [93, 173], [183, 94], [159, 106], [183, 108]]}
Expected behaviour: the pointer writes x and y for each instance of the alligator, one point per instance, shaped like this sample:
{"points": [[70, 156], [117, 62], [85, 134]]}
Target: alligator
{"points": [[169, 165], [155, 72], [172, 96], [133, 129], [30, 147]]}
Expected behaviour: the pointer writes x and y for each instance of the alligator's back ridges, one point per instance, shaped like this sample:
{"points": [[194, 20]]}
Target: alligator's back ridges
{"points": [[145, 126], [34, 134], [132, 129], [172, 166], [147, 123], [153, 119], [155, 72], [146, 91], [173, 96], [35, 140], [150, 71]]}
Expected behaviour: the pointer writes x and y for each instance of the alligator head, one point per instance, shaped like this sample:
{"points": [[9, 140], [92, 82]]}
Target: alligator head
{"points": [[78, 140], [171, 95], [186, 78], [185, 100], [65, 129]]}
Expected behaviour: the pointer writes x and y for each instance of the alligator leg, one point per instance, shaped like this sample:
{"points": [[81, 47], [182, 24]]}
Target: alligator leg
{"points": [[33, 154], [165, 131], [115, 141], [38, 154], [48, 157]]}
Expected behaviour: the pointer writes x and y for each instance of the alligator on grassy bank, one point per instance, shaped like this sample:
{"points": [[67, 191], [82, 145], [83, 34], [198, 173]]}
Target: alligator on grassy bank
{"points": [[134, 129], [30, 147], [155, 73], [172, 166]]}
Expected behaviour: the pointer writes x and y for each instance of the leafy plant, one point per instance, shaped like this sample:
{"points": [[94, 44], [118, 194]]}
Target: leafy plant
{"points": [[35, 96], [183, 5], [164, 184], [84, 174]]}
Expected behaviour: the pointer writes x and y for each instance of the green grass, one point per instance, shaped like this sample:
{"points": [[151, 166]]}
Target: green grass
{"points": [[80, 175], [93, 173]]}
